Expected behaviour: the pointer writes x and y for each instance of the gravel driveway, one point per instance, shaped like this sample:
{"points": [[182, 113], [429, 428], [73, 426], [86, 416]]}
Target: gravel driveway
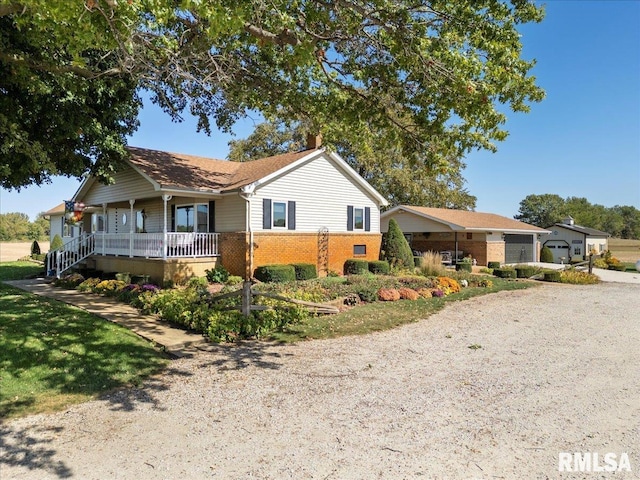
{"points": [[558, 370]]}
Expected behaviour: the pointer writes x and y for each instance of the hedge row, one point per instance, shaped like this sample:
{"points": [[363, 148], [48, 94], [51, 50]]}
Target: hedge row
{"points": [[355, 266]]}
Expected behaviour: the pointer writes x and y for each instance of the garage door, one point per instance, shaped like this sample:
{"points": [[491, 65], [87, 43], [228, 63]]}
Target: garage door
{"points": [[560, 250], [518, 248]]}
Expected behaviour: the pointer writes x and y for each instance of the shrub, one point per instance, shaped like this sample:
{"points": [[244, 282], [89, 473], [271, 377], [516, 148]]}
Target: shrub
{"points": [[546, 255], [578, 278], [600, 263], [110, 287], [275, 273], [233, 280], [367, 292], [525, 271], [552, 276], [396, 249], [388, 294], [35, 248], [88, 285], [69, 281], [124, 277], [305, 271], [408, 294], [355, 266], [504, 273], [417, 261], [379, 267], [620, 267], [486, 270], [56, 243], [493, 265], [219, 274], [424, 292], [432, 264], [463, 267], [485, 282]]}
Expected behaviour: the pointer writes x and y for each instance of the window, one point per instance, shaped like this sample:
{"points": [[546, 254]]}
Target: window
{"points": [[359, 249], [358, 218], [192, 218], [279, 214], [577, 250], [98, 223]]}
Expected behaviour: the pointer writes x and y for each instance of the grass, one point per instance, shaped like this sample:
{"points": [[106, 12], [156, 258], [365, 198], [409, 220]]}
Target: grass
{"points": [[379, 316], [53, 355], [19, 270]]}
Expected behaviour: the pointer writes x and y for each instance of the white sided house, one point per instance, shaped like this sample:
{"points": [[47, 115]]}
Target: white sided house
{"points": [[486, 237], [573, 243], [171, 216]]}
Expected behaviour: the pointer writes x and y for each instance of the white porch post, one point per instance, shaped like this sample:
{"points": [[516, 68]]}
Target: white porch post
{"points": [[104, 226], [131, 202], [165, 199]]}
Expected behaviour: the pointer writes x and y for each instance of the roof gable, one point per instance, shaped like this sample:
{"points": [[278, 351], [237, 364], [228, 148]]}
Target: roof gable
{"points": [[466, 220], [592, 232]]}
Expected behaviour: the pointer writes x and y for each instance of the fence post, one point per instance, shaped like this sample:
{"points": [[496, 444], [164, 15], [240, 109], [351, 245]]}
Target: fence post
{"points": [[246, 298], [591, 263]]}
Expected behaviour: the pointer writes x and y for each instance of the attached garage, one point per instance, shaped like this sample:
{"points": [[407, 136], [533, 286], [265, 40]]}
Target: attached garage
{"points": [[518, 248], [560, 250]]}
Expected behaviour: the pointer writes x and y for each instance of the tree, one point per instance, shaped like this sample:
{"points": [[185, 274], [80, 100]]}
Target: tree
{"points": [[431, 79], [541, 210], [398, 179], [53, 122], [13, 226], [395, 248]]}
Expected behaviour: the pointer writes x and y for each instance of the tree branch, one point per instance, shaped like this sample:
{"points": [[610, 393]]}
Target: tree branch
{"points": [[286, 37]]}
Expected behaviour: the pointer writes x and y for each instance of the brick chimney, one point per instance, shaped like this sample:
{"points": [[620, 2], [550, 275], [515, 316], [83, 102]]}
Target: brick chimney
{"points": [[314, 141]]}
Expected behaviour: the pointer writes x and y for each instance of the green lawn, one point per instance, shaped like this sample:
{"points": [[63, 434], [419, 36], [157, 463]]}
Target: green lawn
{"points": [[378, 316], [53, 355]]}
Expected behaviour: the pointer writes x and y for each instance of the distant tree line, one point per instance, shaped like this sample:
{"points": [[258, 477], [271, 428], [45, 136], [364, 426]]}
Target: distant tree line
{"points": [[17, 226], [620, 221]]}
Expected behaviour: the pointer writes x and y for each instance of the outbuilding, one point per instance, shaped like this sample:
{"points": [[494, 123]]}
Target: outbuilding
{"points": [[573, 243], [486, 237]]}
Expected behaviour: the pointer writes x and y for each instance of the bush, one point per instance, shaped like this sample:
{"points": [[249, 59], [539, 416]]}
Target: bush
{"points": [[600, 263], [379, 267], [552, 276], [396, 249], [504, 272], [388, 295], [69, 281], [576, 277], [448, 285], [620, 267], [432, 264], [546, 255], [56, 243], [275, 273], [219, 274], [305, 271], [35, 248], [355, 266], [418, 261], [493, 265], [463, 267], [525, 271], [408, 294]]}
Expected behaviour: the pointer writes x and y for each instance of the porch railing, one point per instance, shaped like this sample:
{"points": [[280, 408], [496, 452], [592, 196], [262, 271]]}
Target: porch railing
{"points": [[70, 254], [152, 245]]}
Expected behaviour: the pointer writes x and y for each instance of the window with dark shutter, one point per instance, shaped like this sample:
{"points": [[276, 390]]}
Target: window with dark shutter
{"points": [[349, 218], [367, 219], [291, 215]]}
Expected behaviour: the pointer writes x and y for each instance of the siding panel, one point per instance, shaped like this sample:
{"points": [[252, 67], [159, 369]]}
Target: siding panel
{"points": [[321, 191], [129, 184]]}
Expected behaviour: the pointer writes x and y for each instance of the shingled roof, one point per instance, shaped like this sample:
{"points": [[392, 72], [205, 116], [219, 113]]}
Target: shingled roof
{"points": [[466, 220], [188, 172]]}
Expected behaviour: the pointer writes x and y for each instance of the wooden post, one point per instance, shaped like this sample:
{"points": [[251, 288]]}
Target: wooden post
{"points": [[246, 298], [591, 263]]}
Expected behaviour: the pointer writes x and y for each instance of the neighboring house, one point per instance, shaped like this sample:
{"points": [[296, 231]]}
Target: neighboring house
{"points": [[486, 237], [170, 215], [571, 242]]}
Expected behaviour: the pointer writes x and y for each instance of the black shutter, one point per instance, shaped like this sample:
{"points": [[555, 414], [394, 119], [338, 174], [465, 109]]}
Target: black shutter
{"points": [[291, 214], [212, 216], [173, 218], [266, 213], [367, 219], [62, 226], [349, 218]]}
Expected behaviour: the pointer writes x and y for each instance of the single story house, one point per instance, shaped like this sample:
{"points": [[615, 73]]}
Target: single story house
{"points": [[571, 242], [171, 216], [486, 237]]}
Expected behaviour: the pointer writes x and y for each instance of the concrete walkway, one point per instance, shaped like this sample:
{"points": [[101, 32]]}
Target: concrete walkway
{"points": [[175, 341]]}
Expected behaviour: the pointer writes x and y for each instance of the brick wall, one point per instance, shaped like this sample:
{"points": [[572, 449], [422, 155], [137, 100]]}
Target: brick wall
{"points": [[327, 253]]}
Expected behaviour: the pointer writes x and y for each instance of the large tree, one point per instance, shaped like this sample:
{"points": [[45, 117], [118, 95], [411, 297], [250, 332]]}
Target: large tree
{"points": [[541, 210], [400, 180], [430, 76]]}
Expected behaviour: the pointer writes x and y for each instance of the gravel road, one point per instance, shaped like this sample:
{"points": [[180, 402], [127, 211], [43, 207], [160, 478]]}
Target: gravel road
{"points": [[555, 369]]}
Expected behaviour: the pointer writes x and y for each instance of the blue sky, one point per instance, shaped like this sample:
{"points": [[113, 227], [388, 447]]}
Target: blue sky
{"points": [[583, 140]]}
